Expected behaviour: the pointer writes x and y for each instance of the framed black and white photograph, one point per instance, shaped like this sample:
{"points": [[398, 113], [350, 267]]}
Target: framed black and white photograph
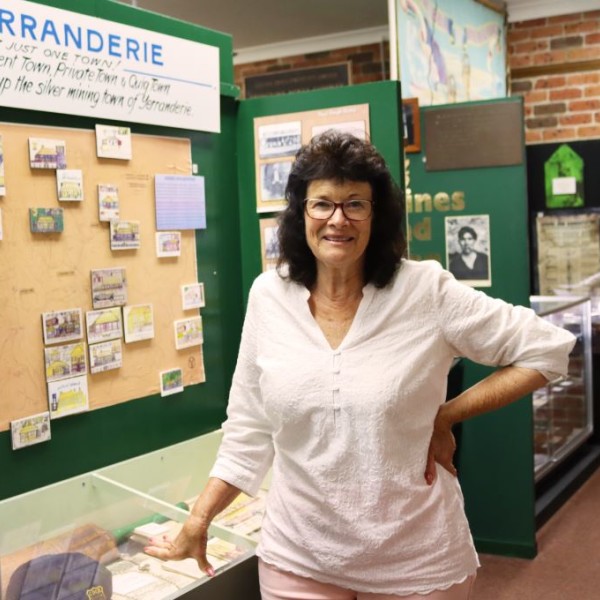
{"points": [[269, 243], [279, 139], [468, 249], [273, 179]]}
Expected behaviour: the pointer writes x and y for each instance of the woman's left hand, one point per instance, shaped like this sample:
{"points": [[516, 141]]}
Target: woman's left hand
{"points": [[441, 450]]}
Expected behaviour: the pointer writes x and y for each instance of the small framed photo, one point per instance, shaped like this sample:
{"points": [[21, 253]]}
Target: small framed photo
{"points": [[138, 322], [188, 333], [269, 243], [279, 139], [108, 202], [192, 296], [106, 356], [68, 396], [412, 125], [113, 142], [109, 287], [69, 185], [104, 325], [273, 179], [124, 235], [468, 249], [171, 382], [30, 430], [47, 154], [62, 326], [65, 361], [168, 243], [46, 220]]}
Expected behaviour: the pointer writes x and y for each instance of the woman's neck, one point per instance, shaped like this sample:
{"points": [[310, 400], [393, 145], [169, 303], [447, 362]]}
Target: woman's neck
{"points": [[337, 286]]}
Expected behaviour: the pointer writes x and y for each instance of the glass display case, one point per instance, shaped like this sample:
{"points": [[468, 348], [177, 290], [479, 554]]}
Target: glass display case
{"points": [[89, 532], [563, 410]]}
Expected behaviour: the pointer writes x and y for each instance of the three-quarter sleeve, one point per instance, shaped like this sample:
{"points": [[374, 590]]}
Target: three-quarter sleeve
{"points": [[493, 332], [246, 451]]}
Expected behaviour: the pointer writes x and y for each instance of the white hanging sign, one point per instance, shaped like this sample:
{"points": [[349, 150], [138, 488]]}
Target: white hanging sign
{"points": [[57, 61]]}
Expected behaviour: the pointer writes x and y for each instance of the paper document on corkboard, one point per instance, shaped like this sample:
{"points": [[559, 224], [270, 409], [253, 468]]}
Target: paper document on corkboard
{"points": [[45, 272]]}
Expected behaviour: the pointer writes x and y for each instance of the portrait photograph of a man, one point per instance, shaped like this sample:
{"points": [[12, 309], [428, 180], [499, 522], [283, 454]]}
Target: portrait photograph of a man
{"points": [[468, 249]]}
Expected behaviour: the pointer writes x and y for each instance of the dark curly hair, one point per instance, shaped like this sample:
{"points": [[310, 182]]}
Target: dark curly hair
{"points": [[342, 157]]}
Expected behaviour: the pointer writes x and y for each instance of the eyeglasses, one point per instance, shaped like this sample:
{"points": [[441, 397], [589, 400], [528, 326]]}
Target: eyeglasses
{"points": [[354, 210]]}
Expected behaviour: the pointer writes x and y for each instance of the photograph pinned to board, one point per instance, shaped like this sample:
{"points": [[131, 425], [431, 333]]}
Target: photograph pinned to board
{"points": [[108, 202], [113, 142], [47, 154], [171, 382], [277, 139], [61, 326], [65, 361], [468, 249], [124, 235], [192, 296], [180, 202], [273, 179], [68, 396], [2, 179], [188, 333], [106, 356], [104, 324], [138, 322], [269, 243], [109, 287], [168, 243], [46, 220], [30, 430], [69, 184]]}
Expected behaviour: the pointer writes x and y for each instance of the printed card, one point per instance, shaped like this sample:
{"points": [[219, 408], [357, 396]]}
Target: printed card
{"points": [[188, 332], [171, 382], [106, 356], [168, 243], [62, 326], [113, 142], [109, 287], [46, 220], [30, 430], [69, 184], [139, 322], [65, 361], [108, 202], [104, 325], [124, 235], [68, 396], [47, 154], [192, 296]]}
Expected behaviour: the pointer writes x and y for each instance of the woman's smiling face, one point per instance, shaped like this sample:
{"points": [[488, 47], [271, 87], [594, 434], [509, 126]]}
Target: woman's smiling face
{"points": [[338, 242]]}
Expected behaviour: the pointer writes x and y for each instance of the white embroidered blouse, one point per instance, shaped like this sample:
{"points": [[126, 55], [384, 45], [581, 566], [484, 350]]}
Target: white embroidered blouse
{"points": [[347, 430]]}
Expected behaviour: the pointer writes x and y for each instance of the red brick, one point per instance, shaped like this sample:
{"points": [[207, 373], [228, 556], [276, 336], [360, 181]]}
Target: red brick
{"points": [[520, 61], [582, 27], [550, 82], [530, 23], [550, 109], [597, 117], [548, 58], [583, 78], [589, 132], [520, 86], [551, 31], [530, 46], [584, 105], [592, 90], [541, 122], [592, 38], [591, 14], [533, 136], [577, 54], [576, 119], [537, 96], [560, 133], [518, 36], [564, 18], [566, 94]]}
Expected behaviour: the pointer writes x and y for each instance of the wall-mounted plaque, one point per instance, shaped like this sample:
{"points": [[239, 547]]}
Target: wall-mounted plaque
{"points": [[468, 136]]}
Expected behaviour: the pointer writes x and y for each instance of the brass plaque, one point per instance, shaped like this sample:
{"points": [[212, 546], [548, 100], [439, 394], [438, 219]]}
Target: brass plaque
{"points": [[466, 137]]}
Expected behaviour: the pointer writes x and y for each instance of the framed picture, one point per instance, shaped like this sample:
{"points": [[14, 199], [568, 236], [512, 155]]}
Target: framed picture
{"points": [[106, 356], [412, 125], [61, 326], [171, 382], [30, 430], [192, 296], [104, 324], [138, 322], [188, 332], [269, 243]]}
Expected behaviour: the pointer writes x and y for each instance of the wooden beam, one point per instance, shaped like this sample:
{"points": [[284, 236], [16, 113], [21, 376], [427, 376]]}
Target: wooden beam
{"points": [[555, 69]]}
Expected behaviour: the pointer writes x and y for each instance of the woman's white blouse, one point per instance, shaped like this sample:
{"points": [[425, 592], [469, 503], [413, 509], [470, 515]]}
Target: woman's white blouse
{"points": [[347, 430]]}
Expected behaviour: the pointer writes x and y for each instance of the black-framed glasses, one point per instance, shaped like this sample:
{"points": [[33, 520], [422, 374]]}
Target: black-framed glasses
{"points": [[354, 210]]}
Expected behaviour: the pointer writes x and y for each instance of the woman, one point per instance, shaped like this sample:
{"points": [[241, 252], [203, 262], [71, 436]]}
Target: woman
{"points": [[340, 387], [468, 263]]}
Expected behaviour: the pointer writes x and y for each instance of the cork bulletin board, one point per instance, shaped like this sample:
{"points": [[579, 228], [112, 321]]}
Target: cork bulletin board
{"points": [[43, 272]]}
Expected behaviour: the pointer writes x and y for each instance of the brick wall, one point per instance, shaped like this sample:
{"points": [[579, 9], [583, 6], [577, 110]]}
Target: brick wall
{"points": [[367, 63], [555, 64]]}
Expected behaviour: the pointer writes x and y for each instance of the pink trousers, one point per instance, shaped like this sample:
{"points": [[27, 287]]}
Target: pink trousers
{"points": [[281, 585]]}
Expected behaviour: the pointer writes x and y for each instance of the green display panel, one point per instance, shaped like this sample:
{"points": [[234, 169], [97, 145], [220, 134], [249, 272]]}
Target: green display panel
{"points": [[101, 437], [495, 456], [385, 118]]}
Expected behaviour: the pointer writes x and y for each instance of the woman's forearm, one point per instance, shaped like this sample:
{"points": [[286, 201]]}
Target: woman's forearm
{"points": [[216, 496], [499, 389]]}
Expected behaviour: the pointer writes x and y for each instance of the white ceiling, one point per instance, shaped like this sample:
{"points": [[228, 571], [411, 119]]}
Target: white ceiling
{"points": [[269, 28]]}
